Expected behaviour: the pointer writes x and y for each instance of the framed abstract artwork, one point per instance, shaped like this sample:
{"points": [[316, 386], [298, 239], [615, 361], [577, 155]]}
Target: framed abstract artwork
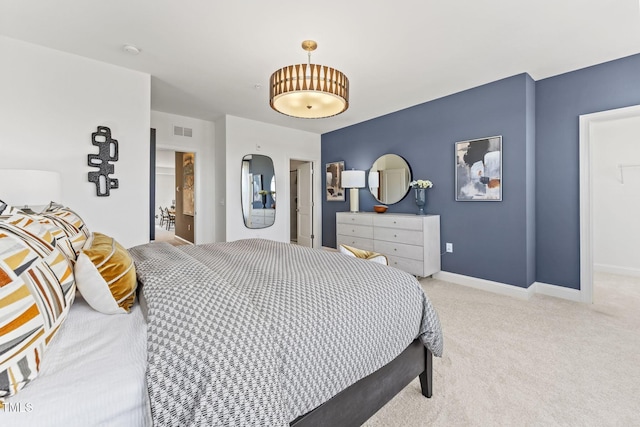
{"points": [[334, 192], [479, 169], [188, 181]]}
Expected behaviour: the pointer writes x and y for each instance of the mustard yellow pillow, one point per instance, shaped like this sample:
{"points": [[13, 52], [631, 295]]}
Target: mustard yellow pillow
{"points": [[106, 276], [361, 253]]}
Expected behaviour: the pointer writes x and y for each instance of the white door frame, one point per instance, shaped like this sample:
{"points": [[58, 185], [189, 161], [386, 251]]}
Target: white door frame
{"points": [[586, 203]]}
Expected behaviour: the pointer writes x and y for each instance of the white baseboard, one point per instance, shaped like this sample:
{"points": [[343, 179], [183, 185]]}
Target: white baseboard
{"points": [[184, 240], [557, 291], [510, 290], [616, 269], [485, 285]]}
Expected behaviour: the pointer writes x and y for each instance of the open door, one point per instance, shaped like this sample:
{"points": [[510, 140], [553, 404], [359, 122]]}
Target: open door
{"points": [[152, 185], [305, 205]]}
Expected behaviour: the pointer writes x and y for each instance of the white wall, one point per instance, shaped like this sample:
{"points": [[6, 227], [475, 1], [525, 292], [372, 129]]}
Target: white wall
{"points": [[243, 137], [616, 206], [50, 104], [201, 143]]}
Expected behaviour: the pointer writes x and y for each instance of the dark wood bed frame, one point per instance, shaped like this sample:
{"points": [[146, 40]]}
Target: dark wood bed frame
{"points": [[357, 403]]}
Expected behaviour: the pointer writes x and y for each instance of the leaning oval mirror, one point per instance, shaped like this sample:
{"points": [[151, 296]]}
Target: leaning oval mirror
{"points": [[258, 191], [389, 179]]}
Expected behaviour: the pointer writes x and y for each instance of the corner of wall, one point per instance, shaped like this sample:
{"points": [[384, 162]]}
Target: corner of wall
{"points": [[530, 186]]}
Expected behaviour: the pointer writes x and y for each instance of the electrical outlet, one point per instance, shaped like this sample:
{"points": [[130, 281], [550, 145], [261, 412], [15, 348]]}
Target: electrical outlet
{"points": [[449, 247]]}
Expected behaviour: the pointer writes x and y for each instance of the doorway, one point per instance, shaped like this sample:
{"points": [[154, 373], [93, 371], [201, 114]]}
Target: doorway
{"points": [[302, 201], [172, 188], [164, 194], [609, 170]]}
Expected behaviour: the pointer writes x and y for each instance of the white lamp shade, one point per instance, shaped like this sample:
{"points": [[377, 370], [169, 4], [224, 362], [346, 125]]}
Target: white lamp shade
{"points": [[353, 179], [21, 187]]}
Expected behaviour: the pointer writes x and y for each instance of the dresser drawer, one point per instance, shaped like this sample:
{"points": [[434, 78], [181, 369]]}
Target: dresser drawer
{"points": [[398, 249], [409, 222], [356, 242], [271, 213], [257, 220], [358, 219], [412, 266], [398, 235], [355, 230]]}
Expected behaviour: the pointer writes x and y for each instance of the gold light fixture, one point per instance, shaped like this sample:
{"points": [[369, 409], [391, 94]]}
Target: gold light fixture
{"points": [[309, 91]]}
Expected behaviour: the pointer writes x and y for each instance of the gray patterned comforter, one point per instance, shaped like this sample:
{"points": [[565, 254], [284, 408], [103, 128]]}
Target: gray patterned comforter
{"points": [[256, 332]]}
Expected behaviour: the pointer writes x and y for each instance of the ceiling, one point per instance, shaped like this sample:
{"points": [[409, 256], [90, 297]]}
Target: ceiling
{"points": [[208, 58]]}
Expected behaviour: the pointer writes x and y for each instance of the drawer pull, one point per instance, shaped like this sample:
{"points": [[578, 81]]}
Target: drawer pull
{"points": [[395, 235], [395, 249]]}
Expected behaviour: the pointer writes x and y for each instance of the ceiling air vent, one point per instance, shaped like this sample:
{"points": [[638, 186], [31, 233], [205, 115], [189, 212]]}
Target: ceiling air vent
{"points": [[182, 131]]}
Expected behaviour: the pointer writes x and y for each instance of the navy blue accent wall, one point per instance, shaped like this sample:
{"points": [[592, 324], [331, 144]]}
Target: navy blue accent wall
{"points": [[530, 179], [262, 165], [560, 101], [492, 240], [533, 235]]}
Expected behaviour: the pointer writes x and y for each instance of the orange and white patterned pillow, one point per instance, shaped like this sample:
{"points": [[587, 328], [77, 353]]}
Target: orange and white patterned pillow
{"points": [[70, 222], [7, 210], [37, 288], [47, 232]]}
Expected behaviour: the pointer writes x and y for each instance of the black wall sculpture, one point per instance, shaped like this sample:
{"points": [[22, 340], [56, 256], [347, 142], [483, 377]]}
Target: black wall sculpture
{"points": [[108, 153]]}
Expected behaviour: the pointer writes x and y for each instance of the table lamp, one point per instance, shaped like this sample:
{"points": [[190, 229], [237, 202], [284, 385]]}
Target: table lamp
{"points": [[353, 179], [29, 190]]}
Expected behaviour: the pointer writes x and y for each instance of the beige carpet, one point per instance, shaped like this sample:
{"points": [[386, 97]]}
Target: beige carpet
{"points": [[169, 236], [542, 362]]}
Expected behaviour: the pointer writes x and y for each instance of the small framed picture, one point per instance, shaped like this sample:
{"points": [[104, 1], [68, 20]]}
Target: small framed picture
{"points": [[334, 192], [479, 169]]}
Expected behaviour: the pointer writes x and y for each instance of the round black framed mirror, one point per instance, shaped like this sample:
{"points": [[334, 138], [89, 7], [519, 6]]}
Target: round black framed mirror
{"points": [[389, 179]]}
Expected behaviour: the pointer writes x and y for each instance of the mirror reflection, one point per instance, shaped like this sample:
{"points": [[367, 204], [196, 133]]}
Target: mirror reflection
{"points": [[258, 191], [389, 179]]}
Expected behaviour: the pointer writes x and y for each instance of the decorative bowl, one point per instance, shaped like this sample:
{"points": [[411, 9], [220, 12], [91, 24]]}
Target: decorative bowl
{"points": [[380, 208]]}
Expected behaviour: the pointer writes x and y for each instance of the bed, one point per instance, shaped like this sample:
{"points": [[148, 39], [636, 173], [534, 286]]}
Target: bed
{"points": [[252, 332]]}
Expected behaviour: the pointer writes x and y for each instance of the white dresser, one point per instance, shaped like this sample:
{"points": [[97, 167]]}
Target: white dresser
{"points": [[261, 218], [410, 242]]}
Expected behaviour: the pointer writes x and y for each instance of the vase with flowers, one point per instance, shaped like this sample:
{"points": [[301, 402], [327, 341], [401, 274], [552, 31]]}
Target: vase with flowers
{"points": [[263, 193], [420, 187]]}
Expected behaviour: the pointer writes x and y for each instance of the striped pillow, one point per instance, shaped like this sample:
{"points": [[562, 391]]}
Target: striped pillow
{"points": [[36, 291], [7, 210], [70, 222], [47, 232], [106, 276]]}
